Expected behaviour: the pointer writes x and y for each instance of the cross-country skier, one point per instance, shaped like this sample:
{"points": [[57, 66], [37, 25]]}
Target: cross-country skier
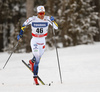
{"points": [[39, 26]]}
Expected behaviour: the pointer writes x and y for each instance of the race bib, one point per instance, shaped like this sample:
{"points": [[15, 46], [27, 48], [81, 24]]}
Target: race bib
{"points": [[39, 29]]}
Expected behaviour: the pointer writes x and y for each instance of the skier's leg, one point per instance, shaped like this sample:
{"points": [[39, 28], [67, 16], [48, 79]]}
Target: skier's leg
{"points": [[38, 54], [37, 51], [33, 61]]}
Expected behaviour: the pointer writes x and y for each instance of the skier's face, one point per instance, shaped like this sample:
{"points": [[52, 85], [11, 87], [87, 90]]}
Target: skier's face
{"points": [[41, 15]]}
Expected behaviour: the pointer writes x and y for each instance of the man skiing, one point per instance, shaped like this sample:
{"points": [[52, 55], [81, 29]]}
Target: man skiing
{"points": [[39, 26]]}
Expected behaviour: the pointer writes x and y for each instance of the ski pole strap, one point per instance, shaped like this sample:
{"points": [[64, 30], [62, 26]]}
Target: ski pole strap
{"points": [[55, 23], [23, 28]]}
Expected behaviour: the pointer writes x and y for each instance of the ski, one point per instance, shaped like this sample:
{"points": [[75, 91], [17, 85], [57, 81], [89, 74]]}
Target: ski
{"points": [[32, 72]]}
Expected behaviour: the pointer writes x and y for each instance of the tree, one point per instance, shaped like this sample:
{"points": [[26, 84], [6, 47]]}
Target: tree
{"points": [[79, 19], [97, 9], [51, 10], [29, 7], [1, 39], [11, 12]]}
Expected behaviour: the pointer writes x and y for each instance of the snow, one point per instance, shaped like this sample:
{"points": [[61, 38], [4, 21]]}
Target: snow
{"points": [[80, 68]]}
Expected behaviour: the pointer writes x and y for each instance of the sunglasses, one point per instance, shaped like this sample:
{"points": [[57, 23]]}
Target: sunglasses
{"points": [[42, 13]]}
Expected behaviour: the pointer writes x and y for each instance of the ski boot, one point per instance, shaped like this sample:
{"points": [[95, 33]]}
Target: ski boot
{"points": [[31, 65], [36, 80]]}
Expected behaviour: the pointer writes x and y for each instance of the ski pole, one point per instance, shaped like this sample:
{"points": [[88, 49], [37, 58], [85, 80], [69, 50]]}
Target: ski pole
{"points": [[11, 54], [56, 51]]}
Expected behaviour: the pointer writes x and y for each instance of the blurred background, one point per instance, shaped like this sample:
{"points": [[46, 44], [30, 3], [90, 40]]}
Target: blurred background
{"points": [[78, 21]]}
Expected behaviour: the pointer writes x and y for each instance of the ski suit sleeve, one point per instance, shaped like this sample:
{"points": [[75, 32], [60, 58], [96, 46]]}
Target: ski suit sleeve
{"points": [[27, 22]]}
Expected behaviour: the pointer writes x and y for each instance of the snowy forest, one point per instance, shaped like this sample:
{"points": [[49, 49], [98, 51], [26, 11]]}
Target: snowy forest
{"points": [[78, 21]]}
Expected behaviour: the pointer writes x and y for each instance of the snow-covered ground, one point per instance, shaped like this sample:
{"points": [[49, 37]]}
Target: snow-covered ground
{"points": [[80, 67]]}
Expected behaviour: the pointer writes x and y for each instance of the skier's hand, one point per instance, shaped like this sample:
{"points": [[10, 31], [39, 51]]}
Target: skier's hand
{"points": [[21, 33], [52, 18]]}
